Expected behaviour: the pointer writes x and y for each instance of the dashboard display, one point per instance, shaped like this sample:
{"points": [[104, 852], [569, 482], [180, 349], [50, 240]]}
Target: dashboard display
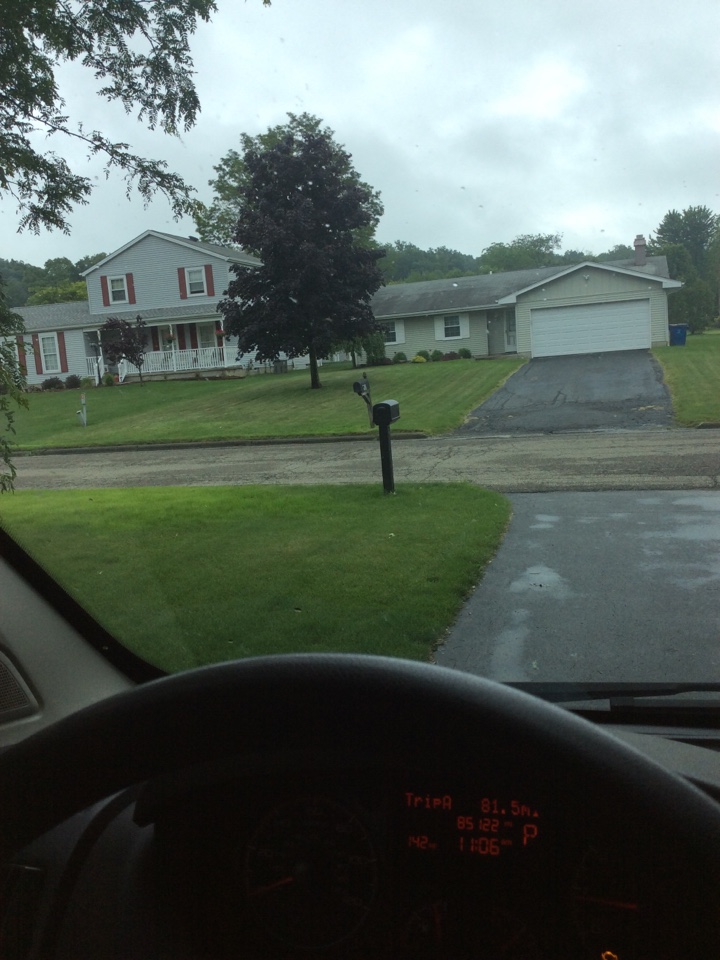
{"points": [[482, 825]]}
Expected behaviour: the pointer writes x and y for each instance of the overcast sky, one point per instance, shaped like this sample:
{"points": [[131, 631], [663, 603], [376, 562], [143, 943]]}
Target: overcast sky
{"points": [[476, 121]]}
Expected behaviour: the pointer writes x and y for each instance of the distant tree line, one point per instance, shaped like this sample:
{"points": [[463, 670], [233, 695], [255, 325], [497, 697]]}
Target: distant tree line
{"points": [[58, 281]]}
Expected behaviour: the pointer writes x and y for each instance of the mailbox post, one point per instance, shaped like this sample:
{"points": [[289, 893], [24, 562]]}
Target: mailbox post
{"points": [[383, 414]]}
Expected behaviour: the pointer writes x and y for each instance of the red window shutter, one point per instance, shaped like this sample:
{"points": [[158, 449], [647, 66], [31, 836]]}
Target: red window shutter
{"points": [[105, 291], [22, 362], [192, 327], [36, 351], [129, 283], [181, 336], [181, 281], [209, 285], [62, 351], [155, 338]]}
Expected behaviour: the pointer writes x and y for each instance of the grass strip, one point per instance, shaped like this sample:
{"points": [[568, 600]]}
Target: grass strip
{"points": [[433, 397], [692, 374], [189, 576]]}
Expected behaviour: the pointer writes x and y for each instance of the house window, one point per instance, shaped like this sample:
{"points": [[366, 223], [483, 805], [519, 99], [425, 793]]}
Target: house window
{"points": [[195, 277], [452, 326], [50, 353], [390, 332], [118, 290]]}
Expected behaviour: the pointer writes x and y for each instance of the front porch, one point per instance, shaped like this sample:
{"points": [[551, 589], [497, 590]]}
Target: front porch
{"points": [[179, 351]]}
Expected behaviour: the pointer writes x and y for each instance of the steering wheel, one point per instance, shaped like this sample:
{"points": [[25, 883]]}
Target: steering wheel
{"points": [[374, 710]]}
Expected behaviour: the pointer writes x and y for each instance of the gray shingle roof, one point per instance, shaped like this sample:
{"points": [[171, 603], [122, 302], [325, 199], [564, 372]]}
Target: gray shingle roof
{"points": [[71, 316], [481, 292]]}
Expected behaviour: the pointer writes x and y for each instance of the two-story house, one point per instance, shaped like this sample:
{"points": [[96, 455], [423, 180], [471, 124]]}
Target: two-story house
{"points": [[174, 283]]}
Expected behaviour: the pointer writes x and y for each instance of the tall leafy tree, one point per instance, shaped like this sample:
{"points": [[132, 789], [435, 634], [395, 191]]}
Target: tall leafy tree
{"points": [[139, 52], [305, 212], [696, 228], [122, 340]]}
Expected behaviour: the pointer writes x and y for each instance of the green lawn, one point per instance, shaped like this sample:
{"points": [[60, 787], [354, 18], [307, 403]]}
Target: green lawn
{"points": [[692, 373], [187, 576], [433, 398]]}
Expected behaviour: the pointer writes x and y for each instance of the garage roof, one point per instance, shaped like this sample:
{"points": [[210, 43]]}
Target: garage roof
{"points": [[487, 291]]}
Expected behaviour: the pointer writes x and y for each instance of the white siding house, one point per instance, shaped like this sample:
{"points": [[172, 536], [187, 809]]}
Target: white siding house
{"points": [[550, 311], [173, 283]]}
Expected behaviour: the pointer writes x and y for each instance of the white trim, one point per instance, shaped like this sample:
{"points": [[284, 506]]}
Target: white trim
{"points": [[399, 326], [195, 293], [464, 325], [46, 369], [120, 276]]}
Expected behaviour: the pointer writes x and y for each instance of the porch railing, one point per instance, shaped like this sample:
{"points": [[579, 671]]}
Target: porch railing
{"points": [[95, 367], [174, 361]]}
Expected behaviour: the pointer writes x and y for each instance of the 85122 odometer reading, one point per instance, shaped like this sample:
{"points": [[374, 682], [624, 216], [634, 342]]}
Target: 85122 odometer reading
{"points": [[485, 825]]}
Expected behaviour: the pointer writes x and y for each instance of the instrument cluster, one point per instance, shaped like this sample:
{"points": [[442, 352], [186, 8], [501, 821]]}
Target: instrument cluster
{"points": [[394, 864]]}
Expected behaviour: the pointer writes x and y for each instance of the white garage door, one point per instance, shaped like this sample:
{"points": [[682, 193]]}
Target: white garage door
{"points": [[595, 328]]}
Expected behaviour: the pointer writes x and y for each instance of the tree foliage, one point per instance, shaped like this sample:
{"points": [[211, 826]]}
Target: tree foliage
{"points": [[12, 385], [695, 228], [690, 239], [56, 282], [122, 340], [407, 263], [66, 292], [305, 212], [137, 50], [523, 253]]}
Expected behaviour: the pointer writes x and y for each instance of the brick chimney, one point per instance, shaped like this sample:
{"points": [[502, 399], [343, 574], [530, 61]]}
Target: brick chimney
{"points": [[640, 251]]}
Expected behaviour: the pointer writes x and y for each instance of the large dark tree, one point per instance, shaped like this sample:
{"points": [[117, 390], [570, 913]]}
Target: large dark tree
{"points": [[304, 211], [139, 52]]}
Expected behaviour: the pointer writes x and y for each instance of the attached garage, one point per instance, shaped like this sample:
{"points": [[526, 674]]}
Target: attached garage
{"points": [[590, 328]]}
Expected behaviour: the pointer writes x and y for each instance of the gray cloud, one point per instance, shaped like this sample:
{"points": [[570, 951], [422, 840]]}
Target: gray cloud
{"points": [[476, 122]]}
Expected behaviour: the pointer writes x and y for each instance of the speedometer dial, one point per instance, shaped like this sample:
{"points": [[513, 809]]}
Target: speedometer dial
{"points": [[311, 873]]}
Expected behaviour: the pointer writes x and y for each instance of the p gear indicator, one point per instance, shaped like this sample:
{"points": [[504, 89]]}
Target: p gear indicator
{"points": [[482, 826]]}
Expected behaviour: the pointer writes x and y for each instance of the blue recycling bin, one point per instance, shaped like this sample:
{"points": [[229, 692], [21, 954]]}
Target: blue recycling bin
{"points": [[678, 334]]}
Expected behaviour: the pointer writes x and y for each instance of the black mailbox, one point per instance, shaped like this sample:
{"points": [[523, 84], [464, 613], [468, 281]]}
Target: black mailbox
{"points": [[385, 413]]}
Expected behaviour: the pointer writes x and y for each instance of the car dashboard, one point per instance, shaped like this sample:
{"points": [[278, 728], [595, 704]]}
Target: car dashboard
{"points": [[328, 806]]}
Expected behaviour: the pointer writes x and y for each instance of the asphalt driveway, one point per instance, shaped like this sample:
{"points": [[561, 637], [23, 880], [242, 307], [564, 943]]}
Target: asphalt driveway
{"points": [[598, 391], [611, 586]]}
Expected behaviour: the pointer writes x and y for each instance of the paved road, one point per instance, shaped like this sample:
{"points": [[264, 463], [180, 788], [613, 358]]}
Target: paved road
{"points": [[598, 586], [642, 460], [622, 390]]}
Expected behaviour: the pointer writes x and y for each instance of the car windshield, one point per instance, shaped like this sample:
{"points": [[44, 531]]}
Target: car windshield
{"points": [[428, 366]]}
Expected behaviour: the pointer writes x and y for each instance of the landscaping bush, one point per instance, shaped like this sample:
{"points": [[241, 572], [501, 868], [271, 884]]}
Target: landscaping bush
{"points": [[465, 354], [52, 383], [436, 355], [72, 382], [374, 347], [424, 354], [87, 382], [399, 357], [451, 356], [419, 358], [108, 380]]}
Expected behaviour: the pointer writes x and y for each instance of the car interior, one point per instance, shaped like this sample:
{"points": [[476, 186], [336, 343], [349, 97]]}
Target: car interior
{"points": [[337, 806]]}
